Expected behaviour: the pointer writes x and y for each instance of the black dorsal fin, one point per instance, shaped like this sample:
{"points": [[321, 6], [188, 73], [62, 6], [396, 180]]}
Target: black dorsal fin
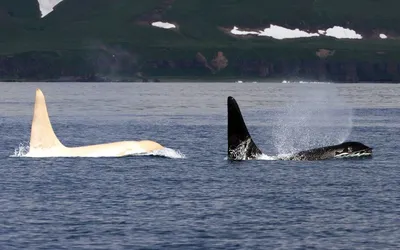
{"points": [[240, 144]]}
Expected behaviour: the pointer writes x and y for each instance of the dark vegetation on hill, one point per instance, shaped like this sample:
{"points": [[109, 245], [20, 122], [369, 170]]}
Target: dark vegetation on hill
{"points": [[24, 9], [95, 39]]}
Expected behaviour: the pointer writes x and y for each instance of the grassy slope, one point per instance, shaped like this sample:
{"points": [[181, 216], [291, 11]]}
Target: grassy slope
{"points": [[16, 18], [199, 19], [356, 14], [77, 24], [25, 9]]}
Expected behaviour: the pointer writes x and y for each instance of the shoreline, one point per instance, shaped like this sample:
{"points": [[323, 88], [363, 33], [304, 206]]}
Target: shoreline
{"points": [[197, 80]]}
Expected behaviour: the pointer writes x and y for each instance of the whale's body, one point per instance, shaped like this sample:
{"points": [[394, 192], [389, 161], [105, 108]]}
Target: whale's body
{"points": [[242, 147], [343, 150], [44, 142]]}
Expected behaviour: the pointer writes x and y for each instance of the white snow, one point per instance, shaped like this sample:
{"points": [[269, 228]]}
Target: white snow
{"points": [[163, 25], [236, 31], [275, 31], [383, 36], [342, 33], [46, 6], [279, 32]]}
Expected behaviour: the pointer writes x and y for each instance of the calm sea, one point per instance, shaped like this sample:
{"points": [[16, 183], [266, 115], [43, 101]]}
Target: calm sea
{"points": [[195, 198]]}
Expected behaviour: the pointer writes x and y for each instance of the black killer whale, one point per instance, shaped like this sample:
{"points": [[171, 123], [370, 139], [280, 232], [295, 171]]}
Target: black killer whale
{"points": [[242, 147]]}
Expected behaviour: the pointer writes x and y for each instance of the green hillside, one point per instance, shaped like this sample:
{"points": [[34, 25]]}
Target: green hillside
{"points": [[24, 9], [17, 17], [74, 21], [362, 15], [199, 21], [87, 30]]}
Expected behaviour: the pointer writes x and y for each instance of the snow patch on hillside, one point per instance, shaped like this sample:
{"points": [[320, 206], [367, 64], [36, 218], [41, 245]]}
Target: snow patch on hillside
{"points": [[46, 6], [279, 32], [236, 31], [163, 25], [342, 33], [383, 36]]}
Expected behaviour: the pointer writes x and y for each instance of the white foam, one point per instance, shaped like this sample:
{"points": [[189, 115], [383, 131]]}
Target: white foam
{"points": [[168, 152], [21, 150], [265, 157], [342, 33], [383, 36], [46, 6], [163, 25], [306, 82]]}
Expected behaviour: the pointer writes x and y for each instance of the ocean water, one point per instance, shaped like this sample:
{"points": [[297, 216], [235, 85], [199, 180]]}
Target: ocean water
{"points": [[195, 198]]}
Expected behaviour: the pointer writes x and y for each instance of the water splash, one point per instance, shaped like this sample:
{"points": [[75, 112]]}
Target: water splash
{"points": [[316, 116], [305, 82], [21, 150], [265, 157], [168, 153], [240, 152]]}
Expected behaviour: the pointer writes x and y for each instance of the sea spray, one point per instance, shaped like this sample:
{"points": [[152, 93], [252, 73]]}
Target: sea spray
{"points": [[21, 150], [316, 116]]}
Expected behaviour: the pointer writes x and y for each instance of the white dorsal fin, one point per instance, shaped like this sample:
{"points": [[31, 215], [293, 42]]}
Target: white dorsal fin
{"points": [[42, 133]]}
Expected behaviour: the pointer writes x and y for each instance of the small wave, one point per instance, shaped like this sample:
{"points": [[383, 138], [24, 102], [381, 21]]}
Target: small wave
{"points": [[278, 157], [306, 82], [167, 152], [263, 157]]}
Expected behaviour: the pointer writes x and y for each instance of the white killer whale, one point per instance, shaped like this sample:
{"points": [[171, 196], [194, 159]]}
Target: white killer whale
{"points": [[44, 142]]}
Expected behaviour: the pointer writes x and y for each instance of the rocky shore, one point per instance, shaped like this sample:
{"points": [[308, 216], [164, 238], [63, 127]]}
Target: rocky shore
{"points": [[55, 66]]}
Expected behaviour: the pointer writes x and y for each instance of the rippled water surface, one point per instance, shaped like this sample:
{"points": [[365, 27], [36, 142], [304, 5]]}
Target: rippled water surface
{"points": [[202, 201]]}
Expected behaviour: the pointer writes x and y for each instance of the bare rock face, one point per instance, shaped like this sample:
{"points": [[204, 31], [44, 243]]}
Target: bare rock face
{"points": [[203, 60], [34, 66], [219, 62], [324, 53]]}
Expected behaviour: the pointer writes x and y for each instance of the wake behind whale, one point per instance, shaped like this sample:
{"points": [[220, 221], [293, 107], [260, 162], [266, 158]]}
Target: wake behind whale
{"points": [[242, 147]]}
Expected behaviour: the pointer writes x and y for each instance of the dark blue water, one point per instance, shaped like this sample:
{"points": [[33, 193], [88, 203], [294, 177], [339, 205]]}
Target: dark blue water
{"points": [[201, 201]]}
